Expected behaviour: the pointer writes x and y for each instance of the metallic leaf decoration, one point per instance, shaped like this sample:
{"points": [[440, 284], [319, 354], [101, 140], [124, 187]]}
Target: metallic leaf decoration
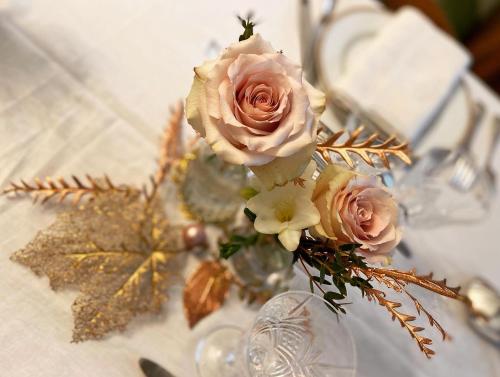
{"points": [[117, 250], [45, 190], [206, 290], [365, 149]]}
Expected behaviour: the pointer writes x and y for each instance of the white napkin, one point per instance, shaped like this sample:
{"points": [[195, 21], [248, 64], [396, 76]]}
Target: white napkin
{"points": [[406, 73]]}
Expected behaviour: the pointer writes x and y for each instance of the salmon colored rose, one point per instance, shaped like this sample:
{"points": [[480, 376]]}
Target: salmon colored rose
{"points": [[354, 209], [254, 108]]}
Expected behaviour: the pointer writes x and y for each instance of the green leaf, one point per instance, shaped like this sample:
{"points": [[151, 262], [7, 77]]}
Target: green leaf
{"points": [[248, 26], [245, 240], [334, 308], [322, 274], [348, 247], [237, 242], [311, 286], [338, 259], [321, 281], [332, 296], [211, 157], [251, 216], [356, 281], [248, 193], [340, 284], [228, 249]]}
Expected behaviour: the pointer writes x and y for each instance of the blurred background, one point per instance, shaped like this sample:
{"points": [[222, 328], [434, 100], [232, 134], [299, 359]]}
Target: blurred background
{"points": [[476, 23]]}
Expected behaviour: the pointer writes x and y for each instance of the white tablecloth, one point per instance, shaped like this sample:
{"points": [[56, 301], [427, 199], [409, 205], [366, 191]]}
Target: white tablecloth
{"points": [[84, 88]]}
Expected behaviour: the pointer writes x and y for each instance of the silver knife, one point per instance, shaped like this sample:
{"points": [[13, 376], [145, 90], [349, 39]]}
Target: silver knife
{"points": [[151, 369]]}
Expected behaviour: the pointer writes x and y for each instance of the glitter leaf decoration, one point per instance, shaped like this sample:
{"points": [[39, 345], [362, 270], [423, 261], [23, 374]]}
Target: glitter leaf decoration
{"points": [[365, 149], [206, 290], [60, 189], [117, 250]]}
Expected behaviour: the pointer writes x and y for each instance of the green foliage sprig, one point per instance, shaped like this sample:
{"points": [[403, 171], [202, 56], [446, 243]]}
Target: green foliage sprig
{"points": [[340, 266], [236, 243], [248, 25], [335, 267]]}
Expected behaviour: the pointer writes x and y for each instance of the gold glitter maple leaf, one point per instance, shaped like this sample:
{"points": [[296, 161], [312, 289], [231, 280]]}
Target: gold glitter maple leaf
{"points": [[117, 250]]}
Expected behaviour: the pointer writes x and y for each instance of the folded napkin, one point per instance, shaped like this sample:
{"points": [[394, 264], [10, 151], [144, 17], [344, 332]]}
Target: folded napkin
{"points": [[405, 74]]}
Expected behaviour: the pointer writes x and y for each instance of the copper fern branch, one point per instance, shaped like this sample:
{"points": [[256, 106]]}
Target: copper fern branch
{"points": [[400, 287], [425, 281], [365, 149], [171, 149], [60, 189], [403, 319]]}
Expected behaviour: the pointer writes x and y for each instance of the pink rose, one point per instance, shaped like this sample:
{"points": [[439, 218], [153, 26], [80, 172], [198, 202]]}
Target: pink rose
{"points": [[354, 209], [254, 108]]}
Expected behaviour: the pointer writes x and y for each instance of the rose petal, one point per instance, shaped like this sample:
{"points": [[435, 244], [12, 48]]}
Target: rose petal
{"points": [[281, 170], [253, 45]]}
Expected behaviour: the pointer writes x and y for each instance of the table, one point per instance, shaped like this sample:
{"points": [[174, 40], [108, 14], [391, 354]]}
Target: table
{"points": [[85, 88]]}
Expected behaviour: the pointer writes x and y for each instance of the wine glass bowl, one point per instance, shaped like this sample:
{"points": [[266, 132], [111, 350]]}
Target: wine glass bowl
{"points": [[295, 334]]}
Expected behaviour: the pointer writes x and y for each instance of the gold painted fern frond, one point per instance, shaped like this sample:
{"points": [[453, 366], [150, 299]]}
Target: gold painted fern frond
{"points": [[171, 150], [60, 189], [365, 149], [425, 281], [403, 319], [399, 286], [171, 147]]}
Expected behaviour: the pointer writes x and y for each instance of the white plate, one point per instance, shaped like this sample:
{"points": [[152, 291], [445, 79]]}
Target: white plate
{"points": [[341, 39]]}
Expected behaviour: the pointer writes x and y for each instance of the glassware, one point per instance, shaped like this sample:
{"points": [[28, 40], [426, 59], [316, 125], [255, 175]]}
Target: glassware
{"points": [[211, 187], [441, 188], [293, 335], [265, 267]]}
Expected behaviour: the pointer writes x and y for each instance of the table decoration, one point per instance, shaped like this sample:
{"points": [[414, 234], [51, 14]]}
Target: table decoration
{"points": [[252, 105], [292, 335], [257, 273], [209, 187], [118, 246], [115, 244]]}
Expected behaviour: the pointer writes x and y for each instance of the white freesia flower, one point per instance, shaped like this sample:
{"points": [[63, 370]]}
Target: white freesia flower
{"points": [[286, 210]]}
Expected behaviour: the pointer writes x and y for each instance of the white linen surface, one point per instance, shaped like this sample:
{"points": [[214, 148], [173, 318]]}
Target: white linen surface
{"points": [[405, 73], [85, 88]]}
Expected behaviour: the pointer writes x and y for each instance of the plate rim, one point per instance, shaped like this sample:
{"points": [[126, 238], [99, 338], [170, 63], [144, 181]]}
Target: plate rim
{"points": [[326, 23], [331, 97]]}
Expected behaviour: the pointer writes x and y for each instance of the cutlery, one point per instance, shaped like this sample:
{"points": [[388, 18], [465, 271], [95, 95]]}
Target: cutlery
{"points": [[465, 171], [487, 181], [439, 188], [484, 311], [152, 369]]}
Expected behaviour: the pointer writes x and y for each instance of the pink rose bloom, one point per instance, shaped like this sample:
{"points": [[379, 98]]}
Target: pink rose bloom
{"points": [[354, 209], [254, 108]]}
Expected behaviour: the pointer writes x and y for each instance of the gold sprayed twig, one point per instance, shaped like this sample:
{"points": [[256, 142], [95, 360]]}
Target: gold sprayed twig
{"points": [[400, 287], [403, 319], [171, 148], [45, 190], [365, 149], [425, 281]]}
